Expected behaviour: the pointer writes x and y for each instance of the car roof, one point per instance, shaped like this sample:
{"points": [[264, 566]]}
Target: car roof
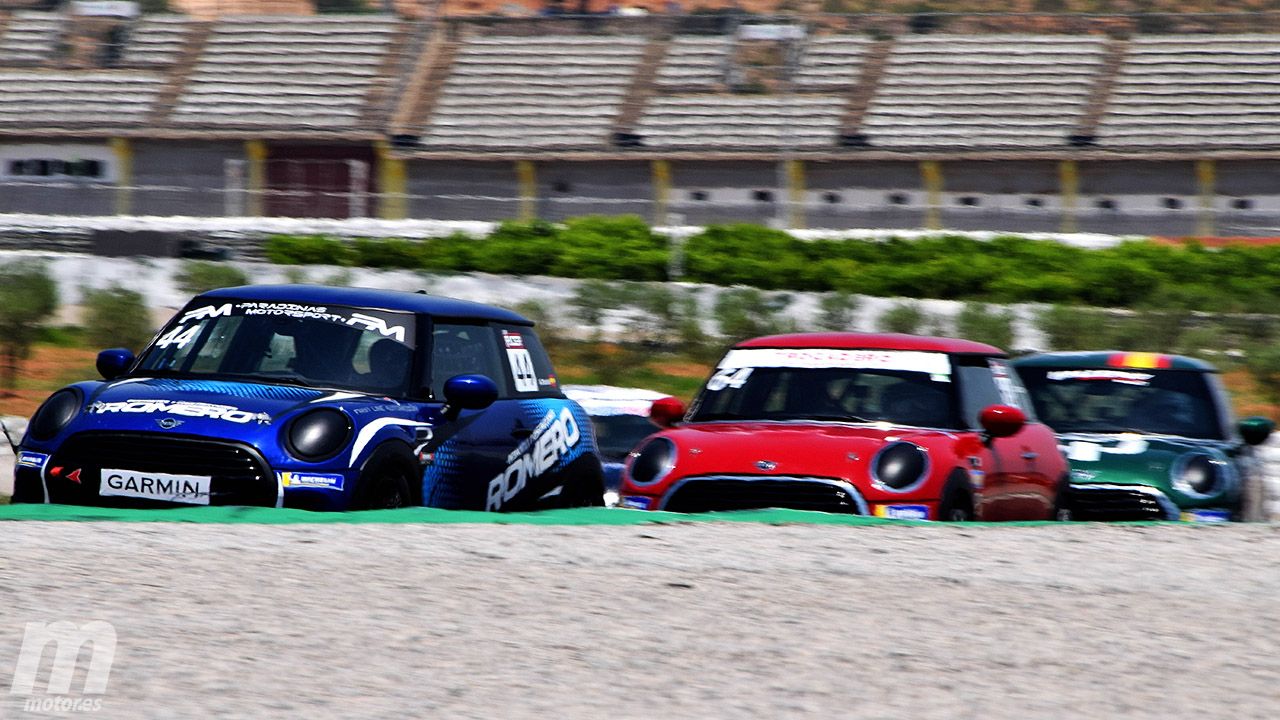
{"points": [[397, 300], [872, 341], [1114, 359]]}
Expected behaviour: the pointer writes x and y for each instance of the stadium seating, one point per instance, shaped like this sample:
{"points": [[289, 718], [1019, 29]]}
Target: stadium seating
{"points": [[310, 72], [104, 98], [696, 60], [983, 91], [30, 37], [831, 61], [534, 92], [1195, 90], [741, 121], [156, 40]]}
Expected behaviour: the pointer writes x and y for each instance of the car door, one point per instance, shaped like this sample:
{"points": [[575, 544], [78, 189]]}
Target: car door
{"points": [[514, 454], [468, 450], [1016, 486]]}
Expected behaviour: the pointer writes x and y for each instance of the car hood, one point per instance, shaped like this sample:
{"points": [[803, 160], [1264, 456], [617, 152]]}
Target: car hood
{"points": [[214, 407], [818, 449], [1130, 458]]}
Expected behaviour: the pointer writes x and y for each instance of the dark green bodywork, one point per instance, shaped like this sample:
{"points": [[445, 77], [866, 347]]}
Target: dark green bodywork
{"points": [[1147, 461]]}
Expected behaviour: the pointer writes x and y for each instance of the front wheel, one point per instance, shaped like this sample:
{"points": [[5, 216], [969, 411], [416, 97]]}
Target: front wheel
{"points": [[384, 485], [957, 500], [1062, 507]]}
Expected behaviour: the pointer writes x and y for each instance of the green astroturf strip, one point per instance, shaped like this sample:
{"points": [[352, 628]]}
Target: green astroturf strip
{"points": [[431, 516]]}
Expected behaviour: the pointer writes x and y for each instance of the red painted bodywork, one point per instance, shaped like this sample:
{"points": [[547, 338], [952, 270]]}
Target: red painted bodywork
{"points": [[1012, 478]]}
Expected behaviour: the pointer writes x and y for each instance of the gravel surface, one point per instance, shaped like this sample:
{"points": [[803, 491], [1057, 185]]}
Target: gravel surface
{"points": [[697, 620]]}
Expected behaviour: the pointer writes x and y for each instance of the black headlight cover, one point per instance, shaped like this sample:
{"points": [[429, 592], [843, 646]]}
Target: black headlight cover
{"points": [[900, 466], [1197, 475], [55, 414], [318, 434], [653, 462]]}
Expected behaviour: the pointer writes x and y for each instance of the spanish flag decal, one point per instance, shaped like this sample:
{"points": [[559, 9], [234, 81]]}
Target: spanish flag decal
{"points": [[1140, 360]]}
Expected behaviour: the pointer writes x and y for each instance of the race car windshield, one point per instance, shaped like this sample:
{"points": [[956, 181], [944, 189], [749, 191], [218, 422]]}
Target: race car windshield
{"points": [[1160, 402], [900, 397], [368, 351]]}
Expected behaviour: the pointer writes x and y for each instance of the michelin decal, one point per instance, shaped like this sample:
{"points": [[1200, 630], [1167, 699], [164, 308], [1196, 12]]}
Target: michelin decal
{"points": [[550, 441]]}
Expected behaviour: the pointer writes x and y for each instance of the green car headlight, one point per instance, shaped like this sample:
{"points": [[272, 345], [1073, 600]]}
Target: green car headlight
{"points": [[1198, 475]]}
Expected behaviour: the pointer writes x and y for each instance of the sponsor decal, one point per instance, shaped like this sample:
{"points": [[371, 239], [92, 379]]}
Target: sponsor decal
{"points": [[185, 408], [1119, 376], [522, 370], [190, 489], [73, 476], [554, 435], [323, 481], [908, 360], [903, 512], [512, 340], [1206, 516], [1011, 393], [1078, 475], [1084, 451], [181, 335], [32, 459], [635, 502]]}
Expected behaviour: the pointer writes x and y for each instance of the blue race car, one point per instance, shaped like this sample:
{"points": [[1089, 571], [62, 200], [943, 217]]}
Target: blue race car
{"points": [[321, 398]]}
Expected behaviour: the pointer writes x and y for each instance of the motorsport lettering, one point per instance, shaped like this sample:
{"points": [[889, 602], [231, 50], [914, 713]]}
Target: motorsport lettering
{"points": [[183, 408], [549, 442]]}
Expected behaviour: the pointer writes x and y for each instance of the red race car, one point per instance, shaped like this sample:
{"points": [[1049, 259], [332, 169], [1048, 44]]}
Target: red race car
{"points": [[889, 425]]}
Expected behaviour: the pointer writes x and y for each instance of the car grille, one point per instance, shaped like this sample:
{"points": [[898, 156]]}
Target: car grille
{"points": [[750, 493], [240, 475], [1117, 503]]}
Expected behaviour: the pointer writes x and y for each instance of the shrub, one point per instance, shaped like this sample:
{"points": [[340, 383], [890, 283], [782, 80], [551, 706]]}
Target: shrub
{"points": [[621, 248], [392, 253], [746, 313], [197, 276], [836, 311], [1072, 328], [986, 324], [308, 250], [1263, 363], [116, 317], [28, 295], [903, 317]]}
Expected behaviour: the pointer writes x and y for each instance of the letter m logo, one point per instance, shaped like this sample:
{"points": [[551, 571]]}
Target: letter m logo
{"points": [[68, 639]]}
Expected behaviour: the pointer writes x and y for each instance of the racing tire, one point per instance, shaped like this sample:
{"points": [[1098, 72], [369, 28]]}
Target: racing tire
{"points": [[1063, 508], [585, 488], [384, 484], [957, 499]]}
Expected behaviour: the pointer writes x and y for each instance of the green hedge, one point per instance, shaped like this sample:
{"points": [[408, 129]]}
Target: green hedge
{"points": [[1005, 269]]}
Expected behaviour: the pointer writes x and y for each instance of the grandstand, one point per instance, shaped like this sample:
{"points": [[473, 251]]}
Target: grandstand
{"points": [[1096, 124]]}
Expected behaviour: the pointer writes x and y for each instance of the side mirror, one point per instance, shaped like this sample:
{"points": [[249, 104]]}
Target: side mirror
{"points": [[114, 362], [1255, 430], [667, 411], [468, 392], [1002, 420]]}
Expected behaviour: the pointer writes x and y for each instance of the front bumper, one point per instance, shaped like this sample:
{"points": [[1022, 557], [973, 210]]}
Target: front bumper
{"points": [[713, 493]]}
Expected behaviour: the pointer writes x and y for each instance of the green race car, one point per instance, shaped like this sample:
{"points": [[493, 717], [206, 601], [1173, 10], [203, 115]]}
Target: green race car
{"points": [[1149, 436]]}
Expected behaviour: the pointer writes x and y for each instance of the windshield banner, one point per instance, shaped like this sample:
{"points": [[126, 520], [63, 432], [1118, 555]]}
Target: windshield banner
{"points": [[903, 360], [397, 326]]}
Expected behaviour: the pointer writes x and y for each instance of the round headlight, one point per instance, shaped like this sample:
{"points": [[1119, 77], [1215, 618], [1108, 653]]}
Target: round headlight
{"points": [[653, 462], [318, 434], [55, 414], [1198, 475], [899, 466]]}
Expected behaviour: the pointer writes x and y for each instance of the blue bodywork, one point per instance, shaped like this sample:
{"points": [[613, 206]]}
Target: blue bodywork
{"points": [[145, 433]]}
